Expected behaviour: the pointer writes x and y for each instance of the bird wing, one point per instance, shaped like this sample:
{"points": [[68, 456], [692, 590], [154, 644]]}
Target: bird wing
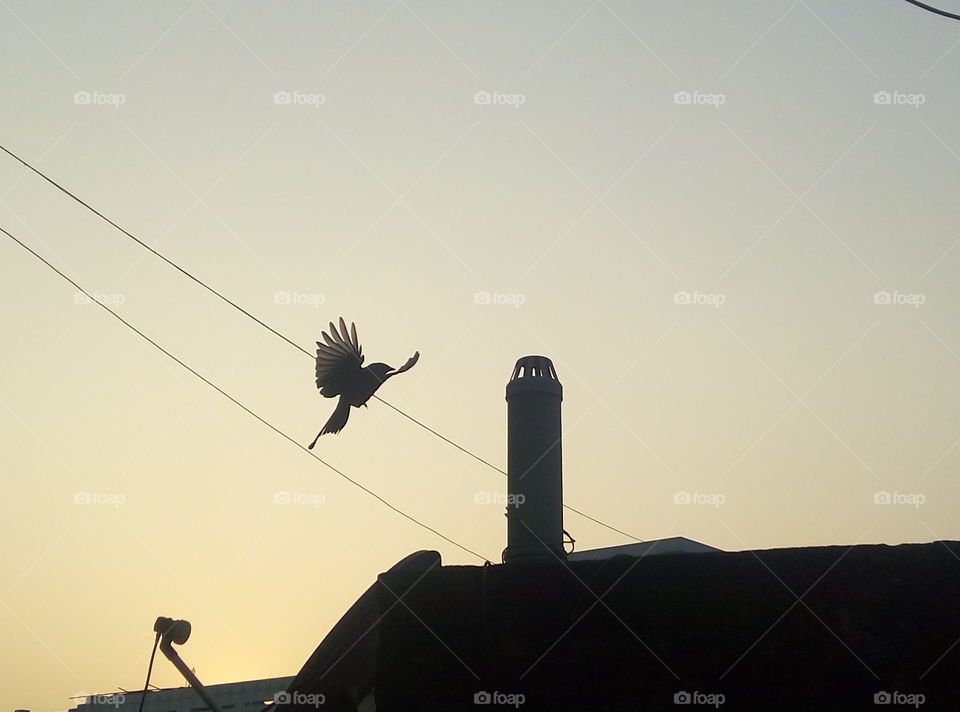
{"points": [[339, 360]]}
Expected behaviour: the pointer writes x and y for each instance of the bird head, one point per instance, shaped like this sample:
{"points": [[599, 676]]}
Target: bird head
{"points": [[381, 371]]}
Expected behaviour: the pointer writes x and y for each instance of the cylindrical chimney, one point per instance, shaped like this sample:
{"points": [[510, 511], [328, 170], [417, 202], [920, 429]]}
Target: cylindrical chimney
{"points": [[534, 463]]}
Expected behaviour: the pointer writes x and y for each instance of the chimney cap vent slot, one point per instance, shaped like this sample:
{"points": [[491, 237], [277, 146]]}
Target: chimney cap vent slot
{"points": [[534, 367]]}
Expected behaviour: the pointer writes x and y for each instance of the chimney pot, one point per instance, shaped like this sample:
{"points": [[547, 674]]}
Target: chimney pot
{"points": [[534, 463]]}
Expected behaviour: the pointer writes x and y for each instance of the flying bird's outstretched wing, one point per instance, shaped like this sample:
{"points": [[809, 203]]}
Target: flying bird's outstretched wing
{"points": [[339, 360]]}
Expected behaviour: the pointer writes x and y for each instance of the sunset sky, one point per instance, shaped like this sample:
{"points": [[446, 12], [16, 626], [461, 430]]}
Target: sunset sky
{"points": [[733, 227]]}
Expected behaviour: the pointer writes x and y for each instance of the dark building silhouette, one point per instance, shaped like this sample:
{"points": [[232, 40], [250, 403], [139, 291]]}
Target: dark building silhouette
{"points": [[634, 628], [870, 620]]}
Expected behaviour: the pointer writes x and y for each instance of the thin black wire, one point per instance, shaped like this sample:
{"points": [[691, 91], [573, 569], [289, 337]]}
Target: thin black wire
{"points": [[238, 403], [259, 321], [155, 252], [442, 437], [936, 11], [503, 472]]}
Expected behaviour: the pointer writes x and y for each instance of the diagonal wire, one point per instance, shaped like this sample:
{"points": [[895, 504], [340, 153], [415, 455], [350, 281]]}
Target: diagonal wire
{"points": [[239, 404], [934, 10], [266, 326], [148, 247], [500, 470]]}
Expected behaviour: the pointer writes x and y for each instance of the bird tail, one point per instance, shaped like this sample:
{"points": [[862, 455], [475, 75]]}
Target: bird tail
{"points": [[336, 421]]}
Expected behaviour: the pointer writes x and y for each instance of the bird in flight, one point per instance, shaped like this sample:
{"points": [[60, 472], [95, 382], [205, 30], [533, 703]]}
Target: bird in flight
{"points": [[340, 372]]}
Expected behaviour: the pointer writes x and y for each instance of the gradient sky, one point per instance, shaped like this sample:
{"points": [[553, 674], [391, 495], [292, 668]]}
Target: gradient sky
{"points": [[781, 199]]}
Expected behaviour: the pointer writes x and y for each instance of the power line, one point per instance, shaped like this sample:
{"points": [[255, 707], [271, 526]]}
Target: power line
{"points": [[442, 437], [238, 403], [269, 328], [503, 472], [155, 252], [936, 11]]}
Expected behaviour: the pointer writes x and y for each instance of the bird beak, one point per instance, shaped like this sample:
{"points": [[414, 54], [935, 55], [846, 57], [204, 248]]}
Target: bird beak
{"points": [[405, 367]]}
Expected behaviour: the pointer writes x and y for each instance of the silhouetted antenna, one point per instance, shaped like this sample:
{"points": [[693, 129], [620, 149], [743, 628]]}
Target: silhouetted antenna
{"points": [[273, 331], [171, 631], [236, 402]]}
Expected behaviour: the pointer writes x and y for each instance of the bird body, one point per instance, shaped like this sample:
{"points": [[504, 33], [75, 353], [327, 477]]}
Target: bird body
{"points": [[340, 372]]}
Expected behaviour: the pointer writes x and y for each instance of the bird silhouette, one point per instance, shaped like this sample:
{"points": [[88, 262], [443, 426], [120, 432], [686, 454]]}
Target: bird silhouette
{"points": [[340, 372]]}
